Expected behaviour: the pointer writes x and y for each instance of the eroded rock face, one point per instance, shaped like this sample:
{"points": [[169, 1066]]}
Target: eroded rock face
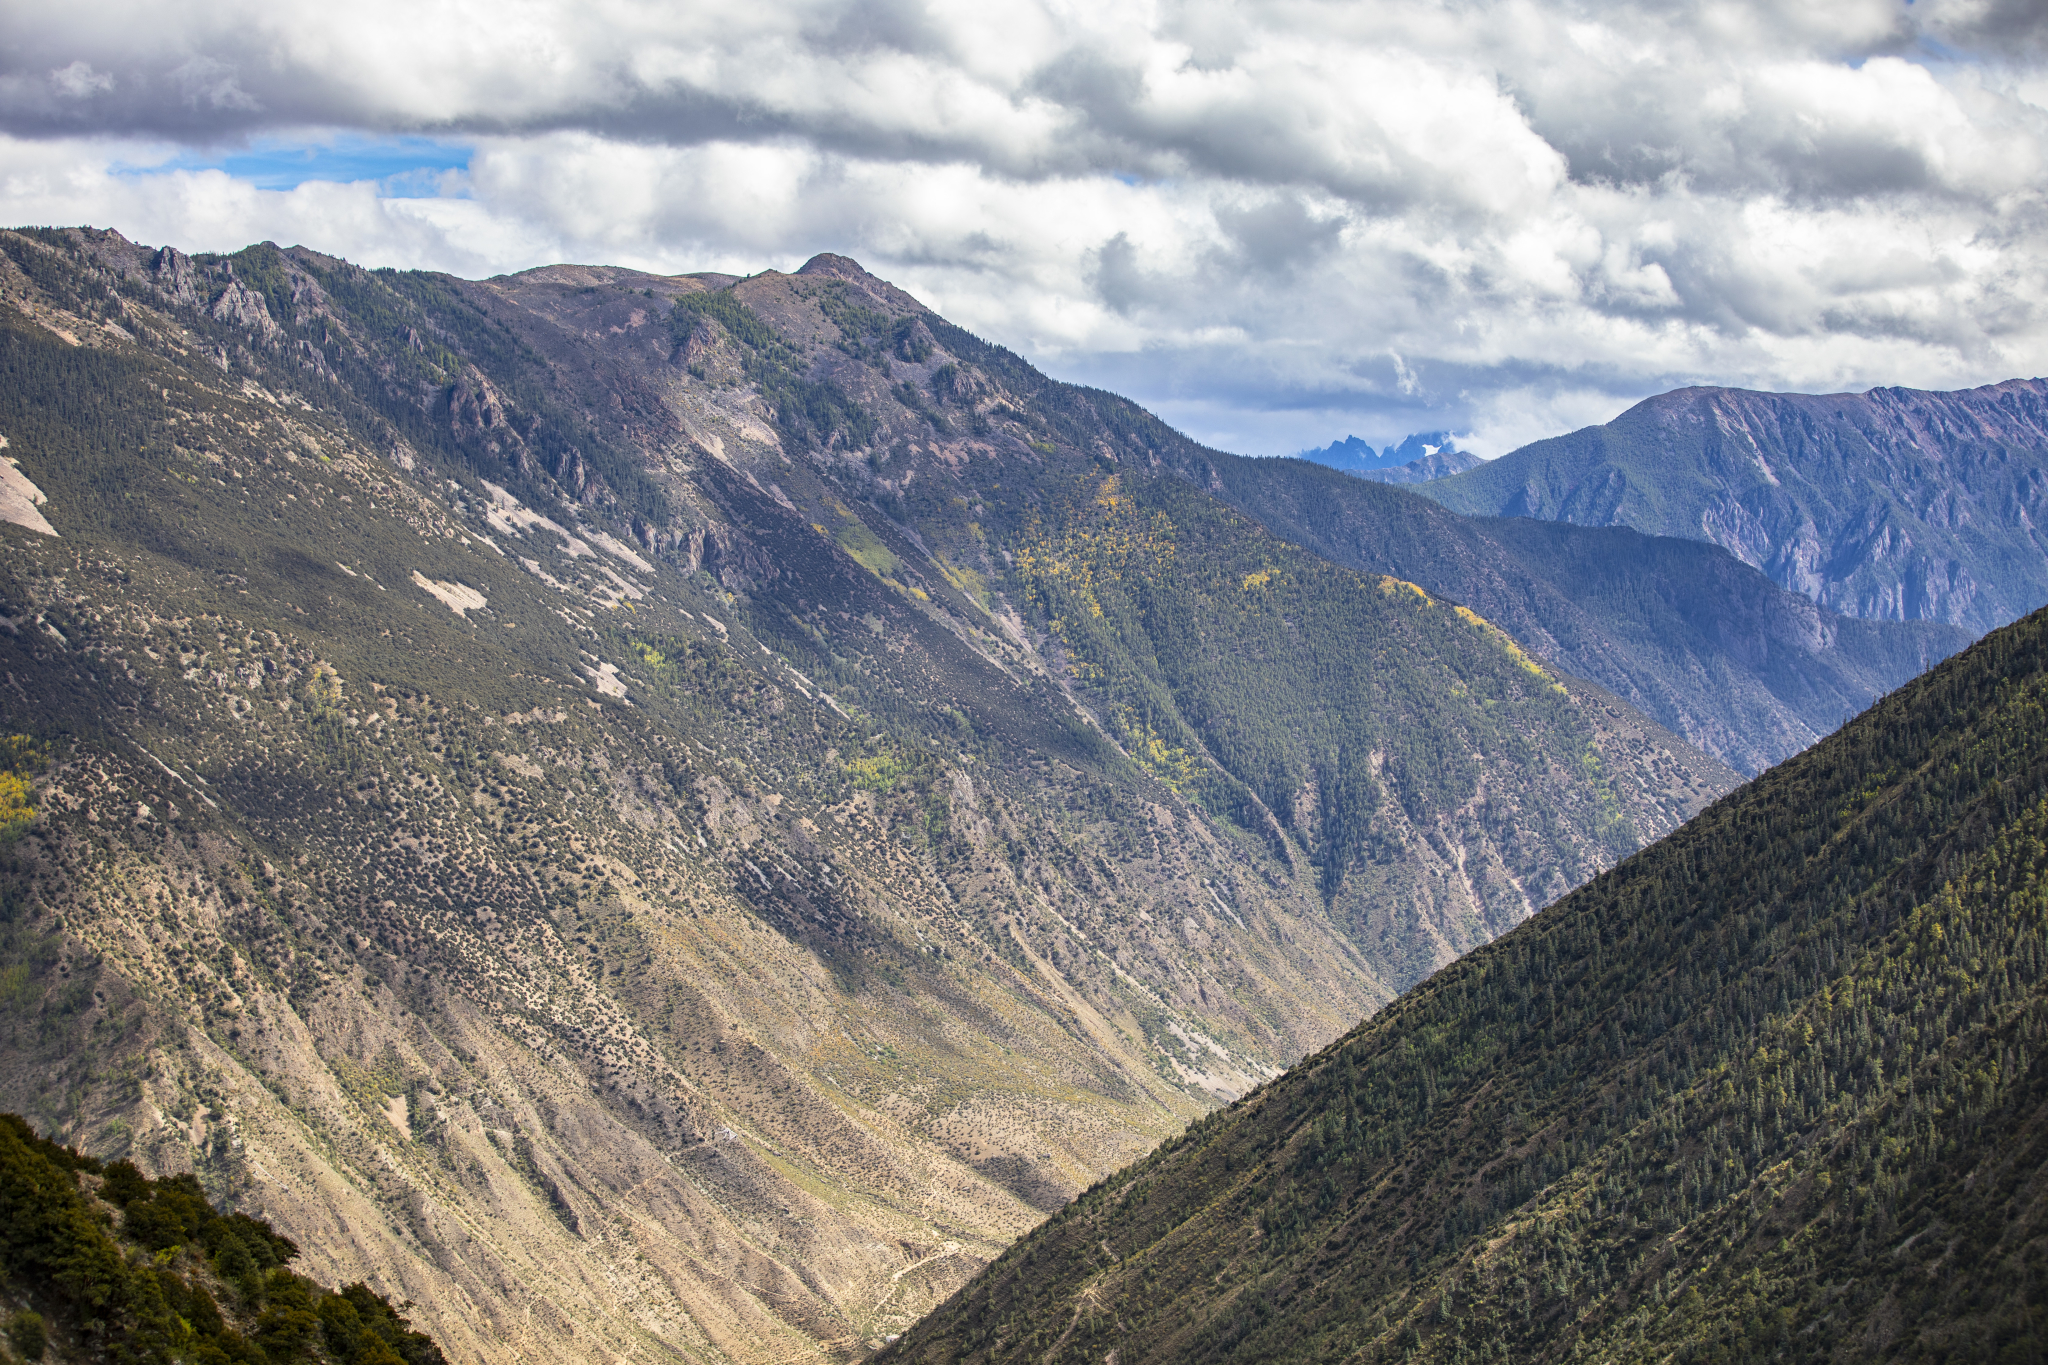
{"points": [[172, 270], [239, 306]]}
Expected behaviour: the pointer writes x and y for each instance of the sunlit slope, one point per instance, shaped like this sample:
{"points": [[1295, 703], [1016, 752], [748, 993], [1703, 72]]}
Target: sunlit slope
{"points": [[488, 905], [1773, 1088], [526, 804]]}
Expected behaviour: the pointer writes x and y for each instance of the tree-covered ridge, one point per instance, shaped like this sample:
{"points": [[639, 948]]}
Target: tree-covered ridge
{"points": [[115, 1266], [1772, 1089]]}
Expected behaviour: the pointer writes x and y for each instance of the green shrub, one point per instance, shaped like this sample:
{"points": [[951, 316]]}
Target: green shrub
{"points": [[25, 1329]]}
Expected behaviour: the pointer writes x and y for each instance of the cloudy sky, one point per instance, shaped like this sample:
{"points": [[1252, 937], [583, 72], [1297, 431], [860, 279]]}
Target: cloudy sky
{"points": [[1275, 223]]}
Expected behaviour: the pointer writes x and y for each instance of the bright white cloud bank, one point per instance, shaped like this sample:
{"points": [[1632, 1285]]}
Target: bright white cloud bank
{"points": [[1274, 222]]}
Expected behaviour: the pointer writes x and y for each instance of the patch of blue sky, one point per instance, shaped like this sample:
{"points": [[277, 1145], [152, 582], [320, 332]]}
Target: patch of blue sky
{"points": [[402, 167]]}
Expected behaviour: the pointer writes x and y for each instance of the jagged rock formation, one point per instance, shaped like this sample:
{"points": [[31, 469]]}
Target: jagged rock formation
{"points": [[1423, 456]]}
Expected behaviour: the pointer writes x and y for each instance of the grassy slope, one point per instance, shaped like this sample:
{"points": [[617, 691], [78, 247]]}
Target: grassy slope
{"points": [[1772, 1089]]}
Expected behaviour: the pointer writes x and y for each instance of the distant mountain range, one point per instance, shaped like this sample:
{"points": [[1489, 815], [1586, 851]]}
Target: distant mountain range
{"points": [[1421, 457], [1696, 640], [1896, 504], [1775, 1088]]}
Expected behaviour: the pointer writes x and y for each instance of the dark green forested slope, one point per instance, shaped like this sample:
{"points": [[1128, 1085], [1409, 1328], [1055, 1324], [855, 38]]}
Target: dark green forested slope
{"points": [[1772, 1089], [97, 1262]]}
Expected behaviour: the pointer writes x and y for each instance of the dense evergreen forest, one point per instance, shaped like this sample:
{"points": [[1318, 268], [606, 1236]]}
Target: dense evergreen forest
{"points": [[102, 1263], [1773, 1089]]}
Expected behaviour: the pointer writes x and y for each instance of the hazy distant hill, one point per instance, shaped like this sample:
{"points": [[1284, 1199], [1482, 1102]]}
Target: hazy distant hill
{"points": [[1896, 504], [675, 815], [1774, 1089]]}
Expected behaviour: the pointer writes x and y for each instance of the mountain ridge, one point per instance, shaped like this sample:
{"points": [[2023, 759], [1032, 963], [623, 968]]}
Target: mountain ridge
{"points": [[1702, 644], [1416, 459], [1896, 504]]}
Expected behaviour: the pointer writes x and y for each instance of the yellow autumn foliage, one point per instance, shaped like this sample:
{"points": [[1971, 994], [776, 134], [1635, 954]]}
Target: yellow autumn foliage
{"points": [[17, 813]]}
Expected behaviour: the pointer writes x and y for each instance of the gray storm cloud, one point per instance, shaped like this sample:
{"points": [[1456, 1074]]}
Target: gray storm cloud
{"points": [[1240, 210]]}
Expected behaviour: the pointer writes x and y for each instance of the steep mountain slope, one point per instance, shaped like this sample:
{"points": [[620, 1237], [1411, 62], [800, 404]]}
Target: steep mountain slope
{"points": [[1896, 504], [1706, 646], [1201, 635], [1775, 1088], [966, 461], [174, 1280], [601, 806]]}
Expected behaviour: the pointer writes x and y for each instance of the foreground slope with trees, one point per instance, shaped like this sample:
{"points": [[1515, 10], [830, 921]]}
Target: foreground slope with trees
{"points": [[99, 1262], [1775, 1088]]}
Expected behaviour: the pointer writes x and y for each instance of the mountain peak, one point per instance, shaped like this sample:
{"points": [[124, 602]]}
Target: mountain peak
{"points": [[1423, 455], [839, 267]]}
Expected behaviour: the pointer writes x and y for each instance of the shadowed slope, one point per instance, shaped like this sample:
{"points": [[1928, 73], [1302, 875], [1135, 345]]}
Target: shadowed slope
{"points": [[1704, 645]]}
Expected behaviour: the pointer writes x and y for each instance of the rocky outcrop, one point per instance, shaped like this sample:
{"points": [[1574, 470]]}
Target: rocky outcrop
{"points": [[171, 269], [239, 306]]}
